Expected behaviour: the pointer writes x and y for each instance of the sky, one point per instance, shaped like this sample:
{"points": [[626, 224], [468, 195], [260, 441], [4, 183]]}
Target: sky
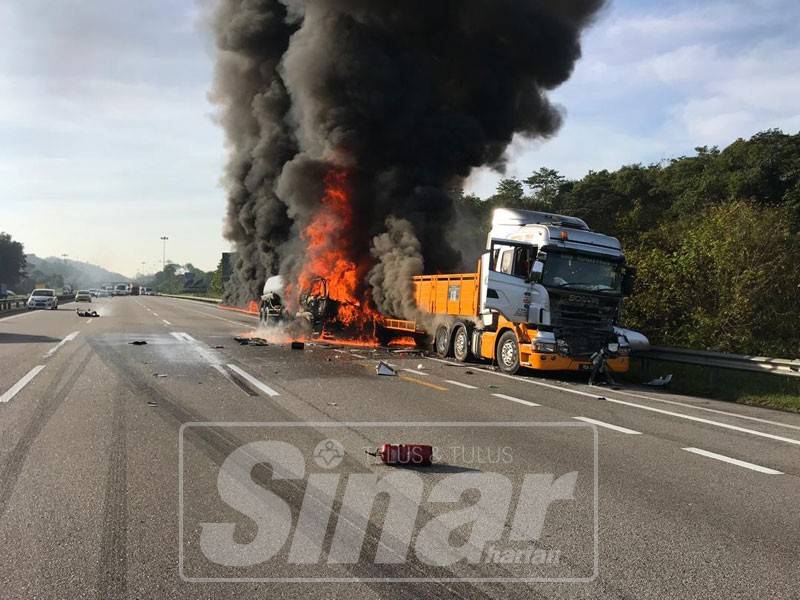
{"points": [[108, 140]]}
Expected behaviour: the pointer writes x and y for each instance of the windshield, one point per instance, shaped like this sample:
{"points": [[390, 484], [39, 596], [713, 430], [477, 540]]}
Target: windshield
{"points": [[48, 293], [582, 272]]}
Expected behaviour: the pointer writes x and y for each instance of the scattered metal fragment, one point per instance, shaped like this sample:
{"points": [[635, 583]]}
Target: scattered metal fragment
{"points": [[219, 347], [250, 341], [660, 381], [383, 369], [298, 345], [332, 404], [86, 313], [160, 375], [138, 343], [468, 372], [152, 403]]}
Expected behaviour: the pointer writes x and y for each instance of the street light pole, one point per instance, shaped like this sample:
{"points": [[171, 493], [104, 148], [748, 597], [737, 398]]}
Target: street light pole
{"points": [[164, 252]]}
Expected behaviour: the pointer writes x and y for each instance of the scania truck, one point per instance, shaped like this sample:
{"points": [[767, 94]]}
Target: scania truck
{"points": [[546, 295]]}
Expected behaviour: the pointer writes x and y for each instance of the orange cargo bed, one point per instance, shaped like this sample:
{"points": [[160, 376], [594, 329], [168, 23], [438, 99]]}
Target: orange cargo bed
{"points": [[453, 294]]}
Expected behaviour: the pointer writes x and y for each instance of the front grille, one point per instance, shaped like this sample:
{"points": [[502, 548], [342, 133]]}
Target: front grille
{"points": [[584, 322]]}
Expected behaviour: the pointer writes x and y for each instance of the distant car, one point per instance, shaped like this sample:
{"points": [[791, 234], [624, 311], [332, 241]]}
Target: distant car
{"points": [[83, 296], [122, 289], [43, 299], [102, 294], [145, 291]]}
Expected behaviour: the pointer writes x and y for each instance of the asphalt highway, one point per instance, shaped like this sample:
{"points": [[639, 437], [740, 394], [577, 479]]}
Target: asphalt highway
{"points": [[113, 455]]}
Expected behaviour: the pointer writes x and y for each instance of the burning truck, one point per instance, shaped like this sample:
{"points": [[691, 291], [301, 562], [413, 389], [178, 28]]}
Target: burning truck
{"points": [[546, 295]]}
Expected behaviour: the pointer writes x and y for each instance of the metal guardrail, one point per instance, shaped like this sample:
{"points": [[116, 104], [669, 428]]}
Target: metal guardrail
{"points": [[195, 298], [722, 360], [18, 303], [15, 303]]}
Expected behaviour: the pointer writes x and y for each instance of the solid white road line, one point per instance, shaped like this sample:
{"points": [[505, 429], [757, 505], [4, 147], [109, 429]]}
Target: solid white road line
{"points": [[517, 400], [205, 314], [26, 379], [711, 410], [55, 349], [415, 372], [17, 316], [252, 380], [650, 408], [463, 385], [733, 461], [708, 422], [166, 322], [608, 425]]}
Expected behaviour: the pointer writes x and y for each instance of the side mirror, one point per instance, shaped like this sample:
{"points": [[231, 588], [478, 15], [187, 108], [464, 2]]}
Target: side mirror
{"points": [[536, 271], [628, 281]]}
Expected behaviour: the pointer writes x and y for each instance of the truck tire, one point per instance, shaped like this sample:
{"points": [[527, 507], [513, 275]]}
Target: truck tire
{"points": [[442, 343], [461, 350], [508, 353]]}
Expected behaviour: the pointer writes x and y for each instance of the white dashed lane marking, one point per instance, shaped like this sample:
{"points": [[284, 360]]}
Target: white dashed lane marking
{"points": [[608, 426], [734, 461], [459, 384], [17, 387], [517, 400]]}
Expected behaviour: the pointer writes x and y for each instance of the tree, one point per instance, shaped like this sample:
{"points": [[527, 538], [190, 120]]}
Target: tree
{"points": [[726, 280], [217, 285], [545, 185], [12, 260], [509, 193]]}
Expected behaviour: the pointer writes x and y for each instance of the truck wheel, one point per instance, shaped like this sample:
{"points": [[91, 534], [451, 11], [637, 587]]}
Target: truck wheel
{"points": [[508, 353], [442, 343], [461, 343]]}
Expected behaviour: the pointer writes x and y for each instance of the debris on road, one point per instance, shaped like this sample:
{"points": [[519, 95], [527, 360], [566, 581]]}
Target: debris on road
{"points": [[332, 404], [86, 313], [408, 455], [298, 345], [407, 351], [660, 381], [160, 375], [250, 341], [152, 403], [138, 343], [219, 347], [420, 367], [383, 369]]}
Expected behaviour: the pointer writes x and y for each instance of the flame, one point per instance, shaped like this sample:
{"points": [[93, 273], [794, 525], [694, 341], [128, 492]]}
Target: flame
{"points": [[405, 342], [329, 257]]}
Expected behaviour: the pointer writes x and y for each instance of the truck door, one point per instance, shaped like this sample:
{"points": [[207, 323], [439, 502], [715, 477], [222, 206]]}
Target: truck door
{"points": [[504, 279]]}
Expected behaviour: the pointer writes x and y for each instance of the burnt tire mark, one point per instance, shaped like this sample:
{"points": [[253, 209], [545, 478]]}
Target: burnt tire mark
{"points": [[52, 399], [113, 570]]}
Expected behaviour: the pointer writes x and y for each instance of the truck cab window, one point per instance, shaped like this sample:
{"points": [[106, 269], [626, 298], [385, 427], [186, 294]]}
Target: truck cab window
{"points": [[523, 261]]}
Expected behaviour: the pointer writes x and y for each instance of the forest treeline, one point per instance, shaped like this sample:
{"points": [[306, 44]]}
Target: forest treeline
{"points": [[715, 238]]}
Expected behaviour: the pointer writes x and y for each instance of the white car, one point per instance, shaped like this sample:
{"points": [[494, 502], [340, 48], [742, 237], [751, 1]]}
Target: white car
{"points": [[43, 299], [83, 296]]}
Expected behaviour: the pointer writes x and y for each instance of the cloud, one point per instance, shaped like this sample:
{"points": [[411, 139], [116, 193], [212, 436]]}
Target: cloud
{"points": [[658, 79]]}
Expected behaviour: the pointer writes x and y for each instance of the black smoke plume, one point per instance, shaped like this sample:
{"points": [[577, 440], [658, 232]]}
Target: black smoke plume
{"points": [[407, 96]]}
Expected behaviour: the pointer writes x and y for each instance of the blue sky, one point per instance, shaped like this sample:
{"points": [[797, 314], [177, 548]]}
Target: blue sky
{"points": [[107, 139]]}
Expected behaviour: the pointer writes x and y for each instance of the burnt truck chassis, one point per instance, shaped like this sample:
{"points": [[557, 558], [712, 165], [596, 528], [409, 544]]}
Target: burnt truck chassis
{"points": [[322, 313]]}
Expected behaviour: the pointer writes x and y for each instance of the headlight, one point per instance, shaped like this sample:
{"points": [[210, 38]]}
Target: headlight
{"points": [[544, 346], [613, 347]]}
